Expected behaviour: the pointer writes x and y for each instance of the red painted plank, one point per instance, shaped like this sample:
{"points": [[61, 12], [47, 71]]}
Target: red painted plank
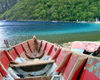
{"points": [[49, 48], [26, 48], [4, 60], [13, 53], [55, 52], [3, 70], [1, 77], [32, 45], [86, 75], [73, 67], [62, 60], [91, 70], [19, 49]]}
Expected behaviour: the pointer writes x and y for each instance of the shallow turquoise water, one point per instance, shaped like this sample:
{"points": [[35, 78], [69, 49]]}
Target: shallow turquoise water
{"points": [[15, 29]]}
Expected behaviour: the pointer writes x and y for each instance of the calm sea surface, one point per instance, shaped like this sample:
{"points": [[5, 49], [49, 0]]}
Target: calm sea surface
{"points": [[18, 31]]}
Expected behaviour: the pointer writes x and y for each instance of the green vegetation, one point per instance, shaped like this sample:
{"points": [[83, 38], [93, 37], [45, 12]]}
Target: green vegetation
{"points": [[60, 10]]}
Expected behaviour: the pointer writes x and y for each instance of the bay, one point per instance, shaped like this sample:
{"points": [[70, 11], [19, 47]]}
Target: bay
{"points": [[17, 31]]}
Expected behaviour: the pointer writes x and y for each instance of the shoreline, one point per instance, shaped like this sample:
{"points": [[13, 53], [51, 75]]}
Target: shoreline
{"points": [[60, 39], [54, 21]]}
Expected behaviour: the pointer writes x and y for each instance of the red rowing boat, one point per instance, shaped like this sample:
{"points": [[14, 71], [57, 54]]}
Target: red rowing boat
{"points": [[41, 60]]}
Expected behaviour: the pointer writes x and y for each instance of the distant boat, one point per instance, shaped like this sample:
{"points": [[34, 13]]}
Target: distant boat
{"points": [[83, 22], [3, 20], [55, 21], [97, 21]]}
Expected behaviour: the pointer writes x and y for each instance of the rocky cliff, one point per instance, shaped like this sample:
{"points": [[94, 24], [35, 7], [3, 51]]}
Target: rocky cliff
{"points": [[7, 4]]}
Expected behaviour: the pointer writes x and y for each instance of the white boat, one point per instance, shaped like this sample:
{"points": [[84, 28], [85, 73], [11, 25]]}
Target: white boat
{"points": [[54, 21], [97, 21]]}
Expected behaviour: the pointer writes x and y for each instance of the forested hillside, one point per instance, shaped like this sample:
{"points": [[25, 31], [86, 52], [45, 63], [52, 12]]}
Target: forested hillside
{"points": [[60, 10], [6, 4]]}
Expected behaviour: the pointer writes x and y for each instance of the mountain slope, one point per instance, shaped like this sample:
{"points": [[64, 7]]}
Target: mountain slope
{"points": [[6, 4], [61, 10]]}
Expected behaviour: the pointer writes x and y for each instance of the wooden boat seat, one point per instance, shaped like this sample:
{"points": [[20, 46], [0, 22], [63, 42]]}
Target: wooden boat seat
{"points": [[37, 78], [32, 63], [34, 67]]}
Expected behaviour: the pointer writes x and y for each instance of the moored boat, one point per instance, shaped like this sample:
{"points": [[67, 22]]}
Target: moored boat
{"points": [[41, 60], [97, 21]]}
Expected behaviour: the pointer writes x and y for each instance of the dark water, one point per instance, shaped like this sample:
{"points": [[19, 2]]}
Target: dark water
{"points": [[18, 31]]}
